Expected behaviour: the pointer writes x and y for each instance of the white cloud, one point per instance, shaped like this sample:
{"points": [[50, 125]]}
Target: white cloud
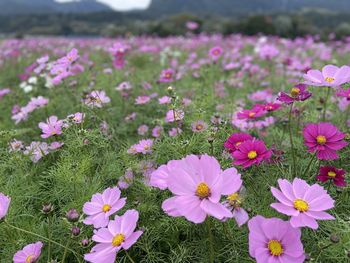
{"points": [[121, 5]]}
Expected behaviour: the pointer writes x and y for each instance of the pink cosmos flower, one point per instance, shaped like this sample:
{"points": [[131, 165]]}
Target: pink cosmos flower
{"points": [[167, 75], [102, 206], [52, 127], [215, 53], [344, 93], [29, 254], [3, 92], [304, 203], [4, 205], [142, 130], [177, 116], [144, 146], [125, 180], [331, 76], [331, 173], [164, 100], [157, 131], [261, 95], [36, 150], [191, 25], [97, 99], [160, 176], [251, 114], [268, 51], [16, 146], [199, 126], [118, 235], [273, 240], [142, 100], [325, 139], [198, 184], [270, 106], [176, 131], [55, 145], [235, 140], [77, 117], [251, 152], [298, 93]]}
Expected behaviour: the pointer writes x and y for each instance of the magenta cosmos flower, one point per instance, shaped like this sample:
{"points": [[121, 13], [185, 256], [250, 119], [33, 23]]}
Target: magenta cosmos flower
{"points": [[330, 76], [198, 184], [272, 240], [167, 75], [304, 203], [235, 140], [119, 234], [29, 254], [4, 205], [252, 114], [330, 173], [251, 152], [325, 139], [102, 206], [344, 93], [215, 53], [52, 127], [297, 93]]}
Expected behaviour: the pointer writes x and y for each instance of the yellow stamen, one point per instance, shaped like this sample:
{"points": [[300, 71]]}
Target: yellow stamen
{"points": [[199, 127], [203, 190], [295, 92], [321, 139], [234, 199], [252, 155], [251, 114], [106, 208], [301, 205], [118, 240], [275, 247], [331, 174], [329, 79], [238, 143]]}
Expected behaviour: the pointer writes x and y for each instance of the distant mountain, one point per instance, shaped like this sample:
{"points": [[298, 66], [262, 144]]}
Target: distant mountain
{"points": [[236, 7], [10, 7]]}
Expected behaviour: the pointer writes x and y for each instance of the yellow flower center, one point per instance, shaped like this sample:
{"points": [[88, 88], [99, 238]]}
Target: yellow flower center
{"points": [[329, 79], [199, 127], [118, 240], [234, 199], [331, 174], [252, 155], [167, 75], [238, 143], [275, 247], [301, 205], [295, 92], [106, 208], [251, 114], [29, 259], [321, 139], [203, 190]]}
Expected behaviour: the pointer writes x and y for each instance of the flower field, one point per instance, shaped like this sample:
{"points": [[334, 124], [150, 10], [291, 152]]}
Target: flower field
{"points": [[180, 149]]}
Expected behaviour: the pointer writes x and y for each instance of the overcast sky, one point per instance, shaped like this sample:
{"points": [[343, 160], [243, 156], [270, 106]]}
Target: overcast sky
{"points": [[121, 5]]}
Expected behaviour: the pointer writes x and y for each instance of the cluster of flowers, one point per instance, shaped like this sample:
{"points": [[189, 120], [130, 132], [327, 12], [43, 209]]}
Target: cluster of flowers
{"points": [[119, 51], [111, 235], [22, 113]]}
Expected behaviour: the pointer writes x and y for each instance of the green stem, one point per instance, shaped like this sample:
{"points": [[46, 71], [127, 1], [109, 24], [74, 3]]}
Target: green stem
{"points": [[291, 139], [309, 165], [49, 237], [65, 251], [44, 238], [129, 257], [325, 104], [210, 235]]}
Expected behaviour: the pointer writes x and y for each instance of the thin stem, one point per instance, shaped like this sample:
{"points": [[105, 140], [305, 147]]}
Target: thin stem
{"points": [[210, 235], [44, 238], [49, 237], [291, 139], [325, 104], [309, 165], [65, 251], [129, 257]]}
